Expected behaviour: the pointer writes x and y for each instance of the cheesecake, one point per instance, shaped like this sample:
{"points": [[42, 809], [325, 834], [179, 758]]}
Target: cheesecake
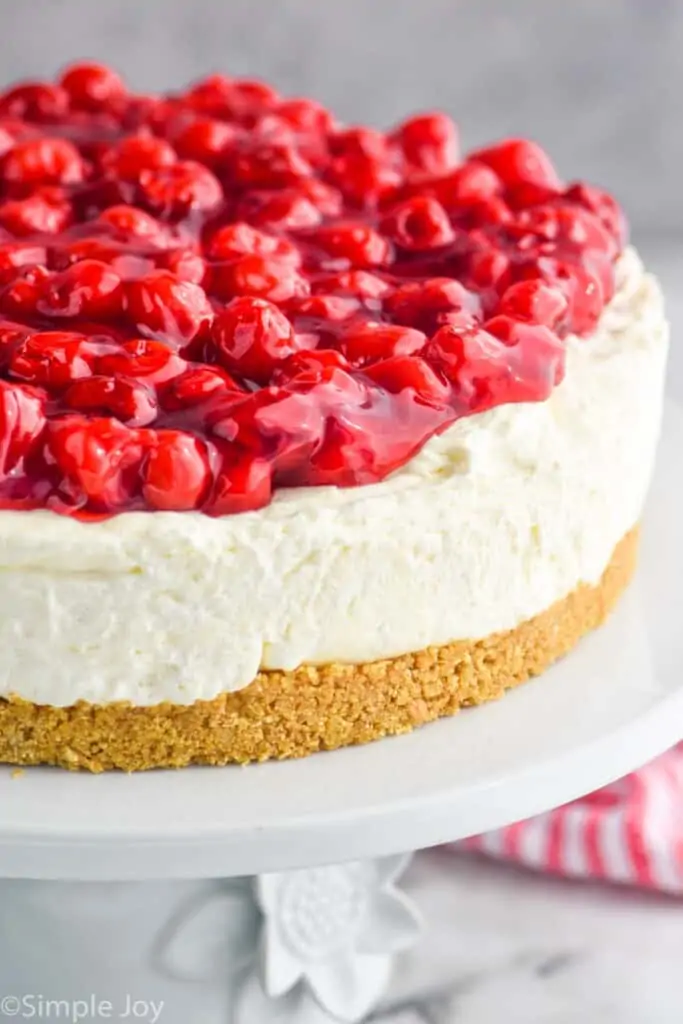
{"points": [[310, 434]]}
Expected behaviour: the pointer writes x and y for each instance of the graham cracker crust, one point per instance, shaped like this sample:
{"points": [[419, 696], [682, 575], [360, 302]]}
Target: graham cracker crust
{"points": [[292, 714]]}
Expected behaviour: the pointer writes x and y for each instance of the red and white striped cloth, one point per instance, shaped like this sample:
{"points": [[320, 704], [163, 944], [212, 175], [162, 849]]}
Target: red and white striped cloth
{"points": [[630, 832]]}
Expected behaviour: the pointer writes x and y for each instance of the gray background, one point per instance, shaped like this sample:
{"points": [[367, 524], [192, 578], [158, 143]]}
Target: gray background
{"points": [[600, 82]]}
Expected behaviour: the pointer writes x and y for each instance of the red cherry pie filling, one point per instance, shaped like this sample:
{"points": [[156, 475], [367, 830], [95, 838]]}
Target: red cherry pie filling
{"points": [[208, 295]]}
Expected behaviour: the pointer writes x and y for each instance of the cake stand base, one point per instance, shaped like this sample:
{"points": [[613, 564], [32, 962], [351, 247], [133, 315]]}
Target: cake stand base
{"points": [[304, 947]]}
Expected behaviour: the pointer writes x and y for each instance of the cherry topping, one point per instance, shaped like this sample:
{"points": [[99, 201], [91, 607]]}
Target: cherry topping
{"points": [[211, 294]]}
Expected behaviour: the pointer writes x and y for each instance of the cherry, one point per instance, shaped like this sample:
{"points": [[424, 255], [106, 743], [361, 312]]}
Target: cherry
{"points": [[360, 142], [366, 343], [42, 162], [252, 336], [311, 367], [196, 386], [128, 222], [174, 191], [97, 458], [535, 301], [429, 143], [210, 94], [21, 296], [142, 358], [186, 264], [418, 224], [284, 210], [91, 86], [325, 307], [264, 277], [487, 371], [136, 154], [176, 475], [488, 212], [162, 304], [519, 162], [248, 97], [240, 239], [53, 358], [11, 335], [244, 483], [127, 400], [402, 373], [540, 351], [284, 424], [306, 116], [362, 166], [571, 227], [581, 286], [357, 243], [488, 268], [471, 183], [424, 303], [15, 255], [46, 212], [22, 421], [88, 289], [267, 165], [328, 200], [205, 140], [358, 283], [35, 101], [604, 206]]}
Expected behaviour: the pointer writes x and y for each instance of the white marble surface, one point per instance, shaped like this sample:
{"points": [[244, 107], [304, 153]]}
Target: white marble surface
{"points": [[506, 945]]}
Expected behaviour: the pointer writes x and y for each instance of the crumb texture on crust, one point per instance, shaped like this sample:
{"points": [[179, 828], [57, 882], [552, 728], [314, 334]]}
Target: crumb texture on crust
{"points": [[292, 714]]}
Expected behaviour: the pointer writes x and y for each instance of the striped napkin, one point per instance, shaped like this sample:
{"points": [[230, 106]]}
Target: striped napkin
{"points": [[630, 832]]}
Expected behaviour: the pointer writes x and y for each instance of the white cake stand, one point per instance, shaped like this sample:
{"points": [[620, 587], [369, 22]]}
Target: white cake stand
{"points": [[111, 896]]}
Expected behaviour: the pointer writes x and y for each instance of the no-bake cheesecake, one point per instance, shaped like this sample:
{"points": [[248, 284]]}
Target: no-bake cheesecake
{"points": [[309, 434]]}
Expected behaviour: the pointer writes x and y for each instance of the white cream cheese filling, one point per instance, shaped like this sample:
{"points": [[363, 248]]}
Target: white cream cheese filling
{"points": [[492, 522]]}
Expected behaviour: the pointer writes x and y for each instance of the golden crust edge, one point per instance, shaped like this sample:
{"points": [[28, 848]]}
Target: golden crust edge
{"points": [[293, 714]]}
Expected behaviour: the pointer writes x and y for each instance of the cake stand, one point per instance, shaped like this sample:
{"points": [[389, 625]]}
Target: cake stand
{"points": [[207, 895]]}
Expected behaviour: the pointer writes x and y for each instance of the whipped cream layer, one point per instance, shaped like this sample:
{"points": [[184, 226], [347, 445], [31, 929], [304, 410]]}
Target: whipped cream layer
{"points": [[496, 519]]}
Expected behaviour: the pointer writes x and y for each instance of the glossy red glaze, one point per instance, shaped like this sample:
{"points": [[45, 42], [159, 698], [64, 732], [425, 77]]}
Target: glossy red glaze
{"points": [[209, 295]]}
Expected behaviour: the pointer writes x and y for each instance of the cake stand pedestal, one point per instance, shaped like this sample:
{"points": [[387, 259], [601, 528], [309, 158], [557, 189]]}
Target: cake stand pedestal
{"points": [[207, 895]]}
